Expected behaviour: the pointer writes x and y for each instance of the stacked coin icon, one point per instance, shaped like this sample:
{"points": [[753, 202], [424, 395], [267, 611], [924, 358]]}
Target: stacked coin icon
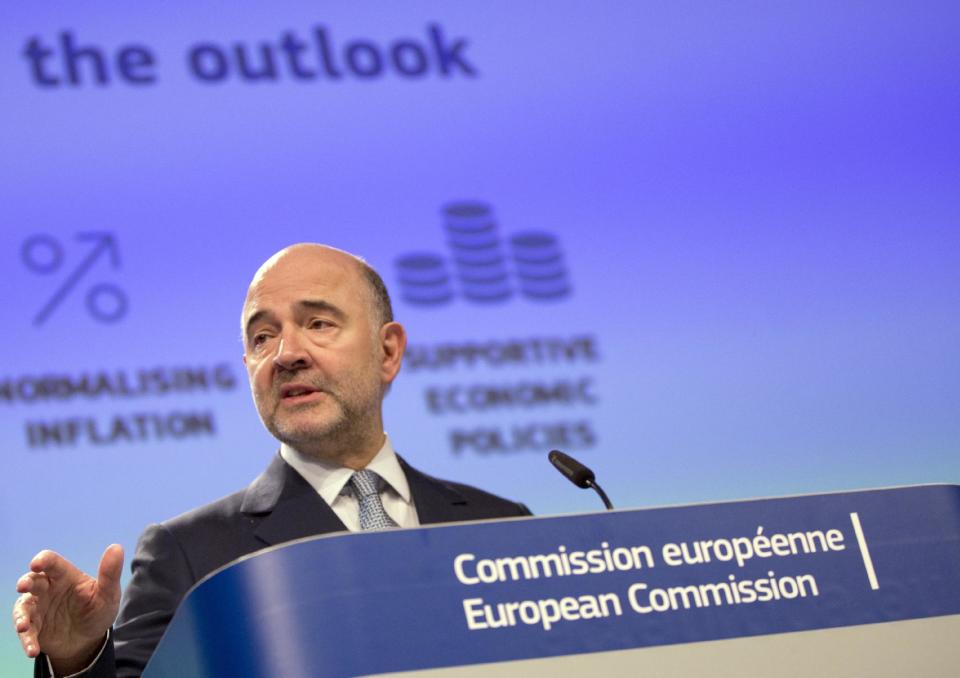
{"points": [[539, 265], [478, 257], [424, 280]]}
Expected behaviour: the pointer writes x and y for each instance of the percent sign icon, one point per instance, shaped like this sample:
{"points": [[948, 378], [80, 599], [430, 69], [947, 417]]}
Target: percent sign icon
{"points": [[44, 254]]}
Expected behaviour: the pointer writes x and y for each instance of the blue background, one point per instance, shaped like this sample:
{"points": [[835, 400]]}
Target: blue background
{"points": [[757, 206]]}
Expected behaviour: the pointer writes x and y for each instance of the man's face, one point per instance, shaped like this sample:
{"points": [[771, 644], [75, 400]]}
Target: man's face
{"points": [[317, 362]]}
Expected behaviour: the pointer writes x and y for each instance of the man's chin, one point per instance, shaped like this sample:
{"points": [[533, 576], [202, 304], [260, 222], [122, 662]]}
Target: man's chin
{"points": [[307, 435]]}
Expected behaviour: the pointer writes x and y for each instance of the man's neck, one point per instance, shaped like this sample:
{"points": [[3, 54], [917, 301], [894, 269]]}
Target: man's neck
{"points": [[355, 454]]}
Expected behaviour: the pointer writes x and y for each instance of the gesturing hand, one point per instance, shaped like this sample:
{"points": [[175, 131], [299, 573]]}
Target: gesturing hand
{"points": [[64, 612]]}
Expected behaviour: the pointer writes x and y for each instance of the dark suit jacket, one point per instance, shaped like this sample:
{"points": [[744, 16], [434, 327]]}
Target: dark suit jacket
{"points": [[279, 506]]}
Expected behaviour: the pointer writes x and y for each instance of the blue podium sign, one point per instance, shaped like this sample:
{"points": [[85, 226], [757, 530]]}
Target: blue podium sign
{"points": [[523, 589]]}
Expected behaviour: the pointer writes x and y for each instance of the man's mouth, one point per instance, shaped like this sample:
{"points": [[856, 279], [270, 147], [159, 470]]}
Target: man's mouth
{"points": [[299, 393]]}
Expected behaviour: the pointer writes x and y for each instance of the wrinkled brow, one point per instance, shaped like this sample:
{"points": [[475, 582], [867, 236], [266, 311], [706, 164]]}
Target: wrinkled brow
{"points": [[254, 319], [322, 306], [315, 305]]}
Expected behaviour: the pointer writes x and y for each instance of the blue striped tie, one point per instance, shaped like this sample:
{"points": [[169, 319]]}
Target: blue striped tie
{"points": [[366, 484]]}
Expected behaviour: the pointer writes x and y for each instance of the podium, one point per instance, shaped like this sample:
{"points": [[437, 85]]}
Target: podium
{"points": [[840, 584]]}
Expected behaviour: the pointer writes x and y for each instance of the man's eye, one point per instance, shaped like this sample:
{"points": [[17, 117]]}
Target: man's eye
{"points": [[318, 324], [258, 339]]}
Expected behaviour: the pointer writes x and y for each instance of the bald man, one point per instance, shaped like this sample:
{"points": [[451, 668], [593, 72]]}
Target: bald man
{"points": [[321, 349]]}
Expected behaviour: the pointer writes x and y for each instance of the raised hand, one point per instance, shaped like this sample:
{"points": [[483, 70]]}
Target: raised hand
{"points": [[64, 612]]}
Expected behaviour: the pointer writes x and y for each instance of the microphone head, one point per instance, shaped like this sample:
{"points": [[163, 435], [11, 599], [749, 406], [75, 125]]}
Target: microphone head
{"points": [[576, 473]]}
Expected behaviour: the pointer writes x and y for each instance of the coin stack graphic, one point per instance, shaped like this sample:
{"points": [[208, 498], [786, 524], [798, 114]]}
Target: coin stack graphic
{"points": [[424, 280], [477, 253], [539, 265]]}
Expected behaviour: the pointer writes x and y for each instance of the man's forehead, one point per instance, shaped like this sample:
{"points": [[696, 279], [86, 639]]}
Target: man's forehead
{"points": [[303, 273], [303, 266], [303, 260]]}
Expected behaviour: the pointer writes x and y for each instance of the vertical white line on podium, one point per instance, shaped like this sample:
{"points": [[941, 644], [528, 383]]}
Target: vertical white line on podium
{"points": [[864, 551]]}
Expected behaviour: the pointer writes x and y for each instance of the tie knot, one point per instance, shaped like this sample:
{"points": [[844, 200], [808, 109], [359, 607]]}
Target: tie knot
{"points": [[366, 483]]}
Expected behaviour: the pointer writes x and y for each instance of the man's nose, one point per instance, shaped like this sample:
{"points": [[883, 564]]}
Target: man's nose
{"points": [[291, 353]]}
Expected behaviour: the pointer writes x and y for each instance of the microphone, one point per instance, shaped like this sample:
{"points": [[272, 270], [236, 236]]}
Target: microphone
{"points": [[577, 473]]}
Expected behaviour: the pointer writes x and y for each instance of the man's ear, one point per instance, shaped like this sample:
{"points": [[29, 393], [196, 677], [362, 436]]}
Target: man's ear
{"points": [[393, 342]]}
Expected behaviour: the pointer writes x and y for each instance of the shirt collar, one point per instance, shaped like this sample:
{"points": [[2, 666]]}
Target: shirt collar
{"points": [[329, 479]]}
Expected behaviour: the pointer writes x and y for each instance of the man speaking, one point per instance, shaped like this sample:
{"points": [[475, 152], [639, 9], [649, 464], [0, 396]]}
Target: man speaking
{"points": [[321, 349]]}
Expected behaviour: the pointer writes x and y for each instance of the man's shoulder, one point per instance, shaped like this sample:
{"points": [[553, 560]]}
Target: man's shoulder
{"points": [[224, 529], [455, 501], [203, 539], [256, 498], [223, 510], [475, 494]]}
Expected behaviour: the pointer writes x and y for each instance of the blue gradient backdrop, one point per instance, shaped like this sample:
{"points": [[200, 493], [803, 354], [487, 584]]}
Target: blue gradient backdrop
{"points": [[757, 206]]}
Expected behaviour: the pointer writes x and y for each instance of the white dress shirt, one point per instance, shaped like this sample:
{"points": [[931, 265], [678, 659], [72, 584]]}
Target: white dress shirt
{"points": [[332, 483]]}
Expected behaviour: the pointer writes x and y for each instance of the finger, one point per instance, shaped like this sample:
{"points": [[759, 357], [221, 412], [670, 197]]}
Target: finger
{"points": [[28, 611], [110, 569], [26, 624], [24, 612], [53, 565], [33, 582], [21, 615], [28, 641]]}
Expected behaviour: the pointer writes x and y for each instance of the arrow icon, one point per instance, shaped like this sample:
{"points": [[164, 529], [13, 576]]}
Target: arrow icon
{"points": [[104, 244]]}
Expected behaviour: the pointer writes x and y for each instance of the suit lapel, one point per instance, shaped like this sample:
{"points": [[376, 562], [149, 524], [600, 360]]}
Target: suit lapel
{"points": [[287, 506], [306, 515], [436, 501]]}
